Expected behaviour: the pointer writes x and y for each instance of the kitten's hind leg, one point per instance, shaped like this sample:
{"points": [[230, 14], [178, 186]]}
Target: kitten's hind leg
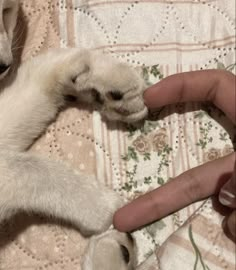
{"points": [[111, 250]]}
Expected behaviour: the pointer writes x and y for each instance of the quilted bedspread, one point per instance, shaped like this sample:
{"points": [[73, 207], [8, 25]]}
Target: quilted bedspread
{"points": [[164, 37]]}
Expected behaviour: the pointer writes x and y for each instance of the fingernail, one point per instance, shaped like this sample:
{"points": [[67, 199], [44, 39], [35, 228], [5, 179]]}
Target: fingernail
{"points": [[226, 196]]}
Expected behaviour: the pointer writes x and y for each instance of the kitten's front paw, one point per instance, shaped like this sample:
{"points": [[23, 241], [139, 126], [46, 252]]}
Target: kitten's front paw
{"points": [[116, 89], [122, 94]]}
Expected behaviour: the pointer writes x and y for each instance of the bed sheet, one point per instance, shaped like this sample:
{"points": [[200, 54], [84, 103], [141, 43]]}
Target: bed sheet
{"points": [[162, 37]]}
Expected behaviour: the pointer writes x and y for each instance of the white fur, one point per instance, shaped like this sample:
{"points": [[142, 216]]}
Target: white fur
{"points": [[35, 184], [104, 252], [8, 17]]}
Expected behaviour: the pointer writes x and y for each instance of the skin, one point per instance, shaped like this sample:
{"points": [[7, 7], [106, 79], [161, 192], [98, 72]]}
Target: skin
{"points": [[215, 178]]}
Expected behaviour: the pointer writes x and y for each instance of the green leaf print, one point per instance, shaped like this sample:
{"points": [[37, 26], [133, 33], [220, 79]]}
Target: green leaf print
{"points": [[199, 115], [127, 187], [132, 154], [147, 156], [205, 135], [223, 136], [160, 181], [164, 154], [156, 72], [131, 184], [223, 67], [148, 180], [197, 252], [155, 227], [153, 71]]}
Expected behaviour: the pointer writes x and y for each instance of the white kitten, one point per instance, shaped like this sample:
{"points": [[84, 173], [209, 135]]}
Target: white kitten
{"points": [[35, 184], [27, 106]]}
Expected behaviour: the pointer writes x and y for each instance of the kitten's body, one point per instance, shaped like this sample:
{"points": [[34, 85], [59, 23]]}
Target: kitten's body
{"points": [[26, 107], [35, 184]]}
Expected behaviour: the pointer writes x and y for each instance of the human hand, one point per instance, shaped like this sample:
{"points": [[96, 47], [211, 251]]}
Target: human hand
{"points": [[212, 178]]}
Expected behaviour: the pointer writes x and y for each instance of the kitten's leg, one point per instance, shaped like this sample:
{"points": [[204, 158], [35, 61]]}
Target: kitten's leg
{"points": [[33, 100], [33, 184]]}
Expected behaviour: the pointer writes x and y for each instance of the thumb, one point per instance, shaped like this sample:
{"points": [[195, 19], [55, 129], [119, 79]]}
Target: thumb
{"points": [[227, 195], [230, 226]]}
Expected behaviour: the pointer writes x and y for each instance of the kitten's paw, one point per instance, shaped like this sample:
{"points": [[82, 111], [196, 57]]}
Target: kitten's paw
{"points": [[111, 250], [115, 88], [86, 204]]}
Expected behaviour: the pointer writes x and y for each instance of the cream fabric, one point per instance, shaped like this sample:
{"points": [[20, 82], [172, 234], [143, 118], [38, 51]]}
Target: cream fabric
{"points": [[171, 36]]}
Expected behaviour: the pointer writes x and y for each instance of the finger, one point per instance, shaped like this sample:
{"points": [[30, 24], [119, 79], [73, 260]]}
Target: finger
{"points": [[191, 186], [229, 226], [231, 223], [227, 195], [216, 86]]}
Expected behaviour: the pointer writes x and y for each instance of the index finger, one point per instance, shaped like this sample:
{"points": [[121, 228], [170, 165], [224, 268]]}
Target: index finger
{"points": [[217, 86], [191, 186]]}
